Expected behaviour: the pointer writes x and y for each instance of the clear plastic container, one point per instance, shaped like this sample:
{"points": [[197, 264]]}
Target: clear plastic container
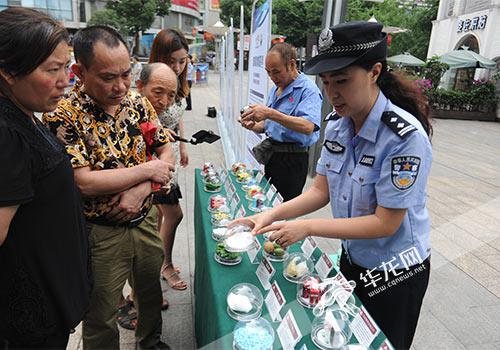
{"points": [[220, 219], [331, 331], [253, 335], [222, 256], [244, 302], [243, 176], [216, 201], [252, 191], [310, 291], [218, 233], [208, 175], [213, 184], [296, 267], [258, 203], [273, 251], [206, 168], [237, 167], [238, 239]]}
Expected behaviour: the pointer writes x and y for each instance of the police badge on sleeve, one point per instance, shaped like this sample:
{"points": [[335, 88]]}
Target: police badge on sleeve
{"points": [[404, 171]]}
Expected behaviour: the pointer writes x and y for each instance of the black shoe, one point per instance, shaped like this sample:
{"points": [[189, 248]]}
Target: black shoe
{"points": [[158, 346]]}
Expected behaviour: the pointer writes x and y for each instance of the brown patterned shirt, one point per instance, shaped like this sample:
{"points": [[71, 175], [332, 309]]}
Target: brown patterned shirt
{"points": [[98, 140]]}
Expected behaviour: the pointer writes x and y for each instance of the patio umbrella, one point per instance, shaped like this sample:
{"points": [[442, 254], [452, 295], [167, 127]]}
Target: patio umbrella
{"points": [[466, 59], [405, 59]]}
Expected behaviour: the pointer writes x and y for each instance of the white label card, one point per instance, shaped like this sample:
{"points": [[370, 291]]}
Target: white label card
{"points": [[259, 177], [277, 200], [386, 345], [364, 327], [223, 176], [289, 332], [271, 192], [231, 190], [241, 212], [234, 204], [343, 297], [308, 246], [227, 186], [264, 272], [252, 252], [324, 266], [275, 301]]}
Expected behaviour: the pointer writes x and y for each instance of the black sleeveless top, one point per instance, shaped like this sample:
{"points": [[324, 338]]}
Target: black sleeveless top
{"points": [[44, 261]]}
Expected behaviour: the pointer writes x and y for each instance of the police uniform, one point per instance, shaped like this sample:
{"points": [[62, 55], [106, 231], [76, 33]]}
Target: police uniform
{"points": [[303, 99], [385, 164]]}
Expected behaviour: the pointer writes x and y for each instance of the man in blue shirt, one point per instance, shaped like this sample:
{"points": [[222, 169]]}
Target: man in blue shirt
{"points": [[290, 121]]}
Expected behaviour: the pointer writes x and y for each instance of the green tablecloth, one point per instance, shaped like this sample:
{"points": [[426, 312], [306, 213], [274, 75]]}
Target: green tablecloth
{"points": [[213, 326]]}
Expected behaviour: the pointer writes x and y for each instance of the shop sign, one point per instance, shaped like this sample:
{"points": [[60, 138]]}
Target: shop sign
{"points": [[470, 24]]}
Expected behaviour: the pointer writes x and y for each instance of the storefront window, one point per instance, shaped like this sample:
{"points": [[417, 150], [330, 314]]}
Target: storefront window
{"points": [[60, 9]]}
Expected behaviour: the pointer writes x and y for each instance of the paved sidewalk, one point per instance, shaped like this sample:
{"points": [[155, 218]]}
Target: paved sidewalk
{"points": [[462, 306]]}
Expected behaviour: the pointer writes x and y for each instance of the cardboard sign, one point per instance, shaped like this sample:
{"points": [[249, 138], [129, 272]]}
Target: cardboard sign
{"points": [[275, 301], [264, 272], [289, 332]]}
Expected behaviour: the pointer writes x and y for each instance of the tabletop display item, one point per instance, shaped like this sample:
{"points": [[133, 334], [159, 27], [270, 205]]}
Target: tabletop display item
{"points": [[222, 256], [243, 176], [236, 167], [218, 233], [258, 203], [274, 252], [252, 191], [220, 219], [244, 302], [206, 168], [213, 184], [296, 267], [331, 330], [216, 202], [239, 239], [309, 291], [206, 177], [257, 334]]}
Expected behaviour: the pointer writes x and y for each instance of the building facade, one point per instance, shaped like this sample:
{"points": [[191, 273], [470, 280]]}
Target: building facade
{"points": [[471, 24], [183, 15]]}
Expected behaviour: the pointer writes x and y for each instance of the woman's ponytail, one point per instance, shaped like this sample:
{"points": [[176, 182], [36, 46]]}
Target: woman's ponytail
{"points": [[405, 94]]}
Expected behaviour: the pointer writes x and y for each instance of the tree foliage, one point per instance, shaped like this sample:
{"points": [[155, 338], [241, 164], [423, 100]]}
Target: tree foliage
{"points": [[418, 21], [131, 17], [293, 19], [231, 9]]}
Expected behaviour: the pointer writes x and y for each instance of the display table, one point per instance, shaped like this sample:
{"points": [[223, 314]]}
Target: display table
{"points": [[213, 326]]}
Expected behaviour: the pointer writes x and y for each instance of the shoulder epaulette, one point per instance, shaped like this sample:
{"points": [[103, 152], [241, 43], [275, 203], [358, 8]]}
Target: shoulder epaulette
{"points": [[332, 116], [397, 124]]}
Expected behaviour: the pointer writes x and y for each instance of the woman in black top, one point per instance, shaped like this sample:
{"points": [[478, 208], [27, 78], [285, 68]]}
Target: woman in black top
{"points": [[44, 257]]}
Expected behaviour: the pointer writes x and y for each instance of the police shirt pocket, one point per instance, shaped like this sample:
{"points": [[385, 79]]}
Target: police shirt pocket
{"points": [[334, 165], [364, 195]]}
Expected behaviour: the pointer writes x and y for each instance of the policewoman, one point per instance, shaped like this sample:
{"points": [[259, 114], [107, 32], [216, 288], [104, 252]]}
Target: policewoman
{"points": [[290, 121], [373, 171]]}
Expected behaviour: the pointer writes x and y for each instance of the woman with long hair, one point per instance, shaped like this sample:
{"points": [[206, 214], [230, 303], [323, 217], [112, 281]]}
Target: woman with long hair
{"points": [[171, 47], [373, 171], [44, 254]]}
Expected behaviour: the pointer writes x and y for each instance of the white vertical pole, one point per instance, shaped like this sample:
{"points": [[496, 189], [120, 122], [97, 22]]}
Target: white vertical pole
{"points": [[241, 57], [241, 132]]}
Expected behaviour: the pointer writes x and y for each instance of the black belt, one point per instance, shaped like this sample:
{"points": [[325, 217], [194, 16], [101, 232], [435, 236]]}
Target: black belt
{"points": [[264, 150], [287, 147], [101, 220]]}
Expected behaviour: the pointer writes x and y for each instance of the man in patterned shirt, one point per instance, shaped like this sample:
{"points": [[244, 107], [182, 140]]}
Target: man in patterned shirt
{"points": [[110, 133]]}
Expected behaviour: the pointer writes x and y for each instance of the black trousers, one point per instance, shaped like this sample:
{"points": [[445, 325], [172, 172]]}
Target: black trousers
{"points": [[396, 307], [51, 342], [288, 172], [188, 97]]}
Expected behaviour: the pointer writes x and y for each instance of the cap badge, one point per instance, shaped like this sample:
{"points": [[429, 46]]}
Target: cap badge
{"points": [[325, 40]]}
